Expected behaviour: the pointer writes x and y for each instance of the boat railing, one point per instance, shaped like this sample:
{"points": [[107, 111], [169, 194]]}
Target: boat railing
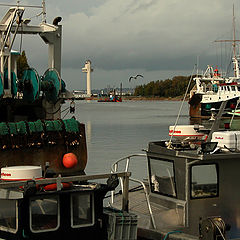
{"points": [[127, 160], [6, 187]]}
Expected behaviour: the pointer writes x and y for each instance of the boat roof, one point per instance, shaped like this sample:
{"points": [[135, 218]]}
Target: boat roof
{"points": [[190, 154]]}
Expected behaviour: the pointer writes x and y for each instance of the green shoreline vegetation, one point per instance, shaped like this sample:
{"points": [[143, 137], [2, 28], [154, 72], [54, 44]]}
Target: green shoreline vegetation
{"points": [[169, 89]]}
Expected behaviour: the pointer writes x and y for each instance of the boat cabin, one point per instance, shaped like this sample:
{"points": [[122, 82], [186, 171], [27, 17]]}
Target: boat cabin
{"points": [[56, 208], [190, 187]]}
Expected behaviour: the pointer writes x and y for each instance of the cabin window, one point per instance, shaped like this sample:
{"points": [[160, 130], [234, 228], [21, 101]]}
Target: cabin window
{"points": [[228, 88], [82, 210], [204, 181], [162, 177], [44, 214], [233, 88], [8, 215]]}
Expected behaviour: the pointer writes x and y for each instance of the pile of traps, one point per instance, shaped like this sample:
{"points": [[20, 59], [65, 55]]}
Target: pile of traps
{"points": [[39, 133]]}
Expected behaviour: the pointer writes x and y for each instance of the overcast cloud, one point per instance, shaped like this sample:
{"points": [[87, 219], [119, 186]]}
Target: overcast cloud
{"points": [[156, 38]]}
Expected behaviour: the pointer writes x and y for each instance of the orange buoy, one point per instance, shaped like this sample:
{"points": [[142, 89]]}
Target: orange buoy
{"points": [[69, 160]]}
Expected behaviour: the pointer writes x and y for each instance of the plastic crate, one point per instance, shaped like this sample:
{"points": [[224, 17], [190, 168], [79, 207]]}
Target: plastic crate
{"points": [[121, 225]]}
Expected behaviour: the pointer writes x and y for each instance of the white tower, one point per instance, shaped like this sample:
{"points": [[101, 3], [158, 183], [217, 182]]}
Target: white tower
{"points": [[88, 70]]}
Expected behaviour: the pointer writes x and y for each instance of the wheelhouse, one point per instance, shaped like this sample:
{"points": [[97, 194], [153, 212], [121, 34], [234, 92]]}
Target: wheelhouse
{"points": [[187, 186], [30, 210]]}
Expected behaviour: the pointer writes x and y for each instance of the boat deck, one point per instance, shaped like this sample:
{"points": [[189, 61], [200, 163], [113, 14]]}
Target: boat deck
{"points": [[164, 218]]}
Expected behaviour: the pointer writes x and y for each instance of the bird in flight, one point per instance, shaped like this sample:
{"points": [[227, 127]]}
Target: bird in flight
{"points": [[135, 77]]}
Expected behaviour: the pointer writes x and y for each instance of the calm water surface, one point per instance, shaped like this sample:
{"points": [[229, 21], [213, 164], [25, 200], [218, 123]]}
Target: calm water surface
{"points": [[115, 130]]}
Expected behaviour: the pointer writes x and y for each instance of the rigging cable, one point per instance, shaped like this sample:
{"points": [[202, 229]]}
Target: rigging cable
{"points": [[21, 37], [65, 114], [170, 141]]}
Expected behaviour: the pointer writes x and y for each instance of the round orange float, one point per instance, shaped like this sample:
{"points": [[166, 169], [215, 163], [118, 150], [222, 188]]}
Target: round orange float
{"points": [[69, 160]]}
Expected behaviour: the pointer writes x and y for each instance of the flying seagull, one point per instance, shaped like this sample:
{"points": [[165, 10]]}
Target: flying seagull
{"points": [[135, 77]]}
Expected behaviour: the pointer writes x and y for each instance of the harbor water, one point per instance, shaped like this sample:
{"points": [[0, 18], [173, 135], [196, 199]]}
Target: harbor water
{"points": [[115, 130]]}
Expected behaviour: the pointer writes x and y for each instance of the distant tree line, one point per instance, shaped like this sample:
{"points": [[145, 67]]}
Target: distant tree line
{"points": [[164, 88]]}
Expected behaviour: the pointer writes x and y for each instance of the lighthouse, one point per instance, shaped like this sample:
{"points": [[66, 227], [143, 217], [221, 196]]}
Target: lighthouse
{"points": [[87, 69]]}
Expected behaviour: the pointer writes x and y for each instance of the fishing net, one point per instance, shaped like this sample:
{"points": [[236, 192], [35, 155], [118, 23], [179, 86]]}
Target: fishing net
{"points": [[53, 126], [71, 125], [21, 127], [12, 128], [38, 133], [4, 129], [35, 126]]}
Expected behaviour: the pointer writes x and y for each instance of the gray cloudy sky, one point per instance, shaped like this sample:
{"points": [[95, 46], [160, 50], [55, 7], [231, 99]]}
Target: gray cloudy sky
{"points": [[156, 38]]}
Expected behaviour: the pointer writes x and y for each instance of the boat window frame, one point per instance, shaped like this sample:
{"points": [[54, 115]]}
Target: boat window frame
{"points": [[190, 181], [92, 208], [12, 230], [58, 213], [174, 177]]}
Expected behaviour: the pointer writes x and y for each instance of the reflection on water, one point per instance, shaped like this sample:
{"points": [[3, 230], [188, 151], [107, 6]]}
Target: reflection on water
{"points": [[115, 130], [88, 127]]}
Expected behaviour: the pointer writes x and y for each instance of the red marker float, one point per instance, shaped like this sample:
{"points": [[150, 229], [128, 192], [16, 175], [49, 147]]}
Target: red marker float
{"points": [[69, 160]]}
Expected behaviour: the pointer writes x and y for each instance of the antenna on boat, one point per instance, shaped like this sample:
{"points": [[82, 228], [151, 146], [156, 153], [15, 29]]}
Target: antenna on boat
{"points": [[234, 41], [180, 110], [197, 64], [44, 19]]}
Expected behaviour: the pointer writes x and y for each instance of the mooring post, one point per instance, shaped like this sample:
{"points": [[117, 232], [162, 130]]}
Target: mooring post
{"points": [[125, 193]]}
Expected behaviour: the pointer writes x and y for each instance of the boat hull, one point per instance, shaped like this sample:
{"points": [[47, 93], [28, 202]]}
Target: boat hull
{"points": [[50, 154], [197, 109]]}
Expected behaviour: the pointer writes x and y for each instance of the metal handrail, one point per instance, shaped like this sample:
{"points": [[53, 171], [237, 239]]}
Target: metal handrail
{"points": [[114, 168], [7, 186]]}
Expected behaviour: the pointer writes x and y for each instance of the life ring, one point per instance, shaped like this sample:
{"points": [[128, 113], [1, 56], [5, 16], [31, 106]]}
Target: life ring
{"points": [[53, 186]]}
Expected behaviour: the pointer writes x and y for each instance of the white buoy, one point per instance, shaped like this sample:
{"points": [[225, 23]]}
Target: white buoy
{"points": [[21, 172]]}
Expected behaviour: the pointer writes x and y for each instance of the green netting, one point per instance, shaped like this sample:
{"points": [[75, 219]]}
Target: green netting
{"points": [[31, 94], [58, 125], [12, 128], [71, 125], [21, 127], [13, 81], [52, 77], [55, 125], [4, 129], [35, 126]]}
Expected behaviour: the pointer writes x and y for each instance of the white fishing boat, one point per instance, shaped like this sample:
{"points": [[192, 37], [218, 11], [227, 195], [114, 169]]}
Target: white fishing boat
{"points": [[213, 86]]}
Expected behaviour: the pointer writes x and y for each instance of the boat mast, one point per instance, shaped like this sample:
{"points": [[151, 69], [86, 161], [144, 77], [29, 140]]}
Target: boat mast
{"points": [[234, 41], [44, 19], [235, 60]]}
